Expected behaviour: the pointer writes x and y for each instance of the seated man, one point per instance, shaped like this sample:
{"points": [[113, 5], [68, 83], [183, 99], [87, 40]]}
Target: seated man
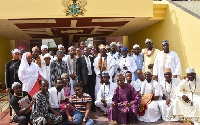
{"points": [[105, 94], [187, 102], [129, 80], [82, 105], [151, 90], [56, 95], [168, 88], [21, 104], [124, 106], [141, 79]]}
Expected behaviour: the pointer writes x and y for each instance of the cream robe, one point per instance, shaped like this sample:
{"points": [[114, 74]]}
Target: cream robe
{"points": [[152, 114], [106, 92], [172, 61], [149, 60], [167, 111], [111, 64], [183, 108]]}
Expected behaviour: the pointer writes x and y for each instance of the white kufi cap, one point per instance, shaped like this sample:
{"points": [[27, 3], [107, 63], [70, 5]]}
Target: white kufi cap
{"points": [[15, 84], [44, 47], [135, 46]]}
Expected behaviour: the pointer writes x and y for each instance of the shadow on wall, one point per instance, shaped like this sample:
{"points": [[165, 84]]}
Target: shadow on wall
{"points": [[168, 29]]}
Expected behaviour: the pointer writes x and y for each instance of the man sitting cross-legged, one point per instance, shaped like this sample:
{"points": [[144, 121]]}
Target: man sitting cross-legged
{"points": [[168, 88], [105, 94], [124, 102]]}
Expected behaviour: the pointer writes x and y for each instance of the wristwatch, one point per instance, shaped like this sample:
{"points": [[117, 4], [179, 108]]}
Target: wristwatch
{"points": [[84, 119]]}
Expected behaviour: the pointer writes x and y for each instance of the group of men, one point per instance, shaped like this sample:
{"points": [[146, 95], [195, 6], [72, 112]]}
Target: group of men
{"points": [[126, 86]]}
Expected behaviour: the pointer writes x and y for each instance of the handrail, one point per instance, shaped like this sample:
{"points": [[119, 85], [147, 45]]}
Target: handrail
{"points": [[1, 97]]}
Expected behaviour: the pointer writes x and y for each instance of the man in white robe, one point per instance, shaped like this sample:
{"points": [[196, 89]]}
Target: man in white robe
{"points": [[168, 89], [45, 67], [127, 63], [105, 94], [152, 113], [187, 102], [114, 56], [166, 59], [71, 62], [103, 63]]}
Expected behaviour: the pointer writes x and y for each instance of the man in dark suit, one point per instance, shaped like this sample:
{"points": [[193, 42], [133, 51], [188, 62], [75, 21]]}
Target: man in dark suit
{"points": [[86, 75]]}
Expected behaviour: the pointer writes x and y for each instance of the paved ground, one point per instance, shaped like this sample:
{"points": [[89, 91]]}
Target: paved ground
{"points": [[97, 116]]}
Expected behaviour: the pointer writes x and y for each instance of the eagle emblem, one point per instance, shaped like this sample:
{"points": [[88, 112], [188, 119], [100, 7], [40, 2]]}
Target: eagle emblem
{"points": [[74, 7]]}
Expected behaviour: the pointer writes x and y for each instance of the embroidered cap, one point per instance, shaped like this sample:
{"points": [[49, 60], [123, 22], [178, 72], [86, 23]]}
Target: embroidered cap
{"points": [[190, 70], [148, 40]]}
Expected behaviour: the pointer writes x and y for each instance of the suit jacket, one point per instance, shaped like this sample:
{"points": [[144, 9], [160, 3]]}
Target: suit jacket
{"points": [[82, 70]]}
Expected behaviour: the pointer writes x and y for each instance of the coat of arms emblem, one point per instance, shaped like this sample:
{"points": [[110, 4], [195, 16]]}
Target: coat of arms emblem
{"points": [[74, 7]]}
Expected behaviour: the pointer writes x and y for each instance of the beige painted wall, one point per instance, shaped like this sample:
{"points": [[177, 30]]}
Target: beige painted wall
{"points": [[181, 30], [6, 46], [10, 9]]}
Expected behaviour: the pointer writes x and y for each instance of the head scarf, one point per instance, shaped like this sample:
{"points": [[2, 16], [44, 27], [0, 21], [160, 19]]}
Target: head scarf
{"points": [[113, 44], [90, 46], [60, 46], [15, 50], [21, 47]]}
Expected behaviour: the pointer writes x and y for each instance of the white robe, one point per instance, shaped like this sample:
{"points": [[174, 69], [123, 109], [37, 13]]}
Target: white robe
{"points": [[106, 92], [129, 62], [72, 69], [183, 108], [166, 88], [111, 64], [172, 61], [135, 85], [55, 97], [28, 74], [152, 114], [116, 58]]}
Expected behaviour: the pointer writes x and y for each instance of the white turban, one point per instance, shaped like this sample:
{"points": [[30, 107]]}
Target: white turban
{"points": [[71, 47], [60, 46], [119, 44], [44, 47], [15, 84], [15, 50], [47, 55], [90, 46], [135, 46], [190, 70]]}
